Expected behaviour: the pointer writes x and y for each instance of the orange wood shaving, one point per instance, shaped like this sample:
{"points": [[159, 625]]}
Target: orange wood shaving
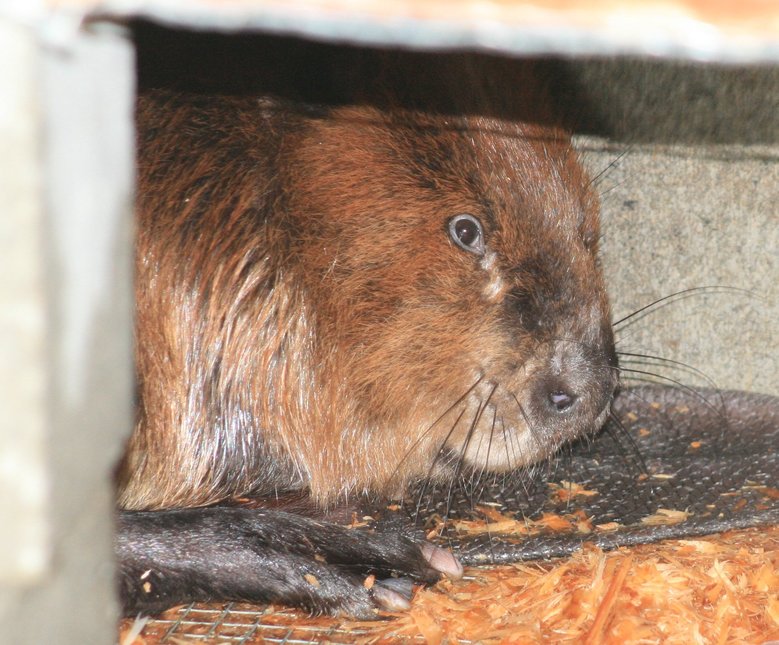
{"points": [[566, 491], [665, 516], [498, 523], [427, 626], [722, 589], [607, 605]]}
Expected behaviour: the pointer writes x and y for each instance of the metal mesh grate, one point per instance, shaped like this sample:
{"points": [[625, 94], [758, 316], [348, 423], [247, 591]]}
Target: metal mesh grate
{"points": [[239, 624]]}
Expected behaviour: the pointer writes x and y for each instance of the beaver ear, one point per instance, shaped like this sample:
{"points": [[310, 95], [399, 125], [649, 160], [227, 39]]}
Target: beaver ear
{"points": [[467, 233]]}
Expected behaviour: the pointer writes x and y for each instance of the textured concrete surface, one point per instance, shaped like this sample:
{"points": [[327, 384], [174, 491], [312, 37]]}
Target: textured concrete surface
{"points": [[23, 494], [688, 218], [689, 156], [693, 29], [70, 350], [650, 101]]}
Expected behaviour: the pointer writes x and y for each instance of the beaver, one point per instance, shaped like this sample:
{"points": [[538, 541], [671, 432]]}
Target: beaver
{"points": [[342, 296]]}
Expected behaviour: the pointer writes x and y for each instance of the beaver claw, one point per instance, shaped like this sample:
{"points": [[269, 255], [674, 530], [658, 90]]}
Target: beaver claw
{"points": [[257, 555]]}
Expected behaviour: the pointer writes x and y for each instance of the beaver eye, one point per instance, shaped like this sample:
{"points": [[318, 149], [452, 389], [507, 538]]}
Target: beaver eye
{"points": [[466, 232]]}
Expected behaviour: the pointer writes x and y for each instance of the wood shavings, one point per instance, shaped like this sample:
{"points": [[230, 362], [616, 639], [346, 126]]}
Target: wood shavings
{"points": [[773, 610], [566, 491], [665, 516], [428, 627], [359, 522], [721, 589], [131, 633], [766, 491], [497, 523], [606, 607], [608, 527], [716, 590]]}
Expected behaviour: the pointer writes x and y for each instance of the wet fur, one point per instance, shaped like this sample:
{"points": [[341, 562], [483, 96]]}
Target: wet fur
{"points": [[305, 324]]}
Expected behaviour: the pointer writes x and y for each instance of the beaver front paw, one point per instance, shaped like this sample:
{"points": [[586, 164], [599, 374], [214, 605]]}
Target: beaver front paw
{"points": [[259, 555]]}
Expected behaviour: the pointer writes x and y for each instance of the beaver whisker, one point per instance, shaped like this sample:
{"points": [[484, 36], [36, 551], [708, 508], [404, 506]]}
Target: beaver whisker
{"points": [[442, 450], [649, 359], [464, 448], [480, 476], [538, 439], [528, 468], [619, 430], [594, 181], [473, 479], [509, 445], [430, 428], [720, 413], [679, 365], [677, 296]]}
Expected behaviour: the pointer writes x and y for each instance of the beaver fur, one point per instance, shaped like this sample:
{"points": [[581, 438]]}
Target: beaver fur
{"points": [[340, 295]]}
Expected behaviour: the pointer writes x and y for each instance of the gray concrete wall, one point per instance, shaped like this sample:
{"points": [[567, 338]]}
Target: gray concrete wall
{"points": [[689, 156], [687, 217], [65, 303], [24, 547]]}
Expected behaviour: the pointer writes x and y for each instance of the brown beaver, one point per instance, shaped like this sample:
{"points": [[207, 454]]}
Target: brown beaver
{"points": [[341, 297]]}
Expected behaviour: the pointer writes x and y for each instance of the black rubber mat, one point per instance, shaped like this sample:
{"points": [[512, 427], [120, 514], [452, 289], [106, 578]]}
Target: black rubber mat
{"points": [[675, 463]]}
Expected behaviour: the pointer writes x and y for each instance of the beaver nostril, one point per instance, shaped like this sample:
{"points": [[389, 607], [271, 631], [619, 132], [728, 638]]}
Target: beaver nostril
{"points": [[562, 401]]}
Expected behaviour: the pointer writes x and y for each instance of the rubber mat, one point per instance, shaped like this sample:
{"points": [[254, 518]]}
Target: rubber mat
{"points": [[671, 463]]}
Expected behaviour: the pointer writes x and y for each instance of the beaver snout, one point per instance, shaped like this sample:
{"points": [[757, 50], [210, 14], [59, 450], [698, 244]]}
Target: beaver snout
{"points": [[568, 396], [528, 413], [576, 385]]}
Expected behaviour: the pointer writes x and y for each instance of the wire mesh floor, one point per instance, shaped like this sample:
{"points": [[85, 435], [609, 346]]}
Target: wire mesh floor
{"points": [[242, 624]]}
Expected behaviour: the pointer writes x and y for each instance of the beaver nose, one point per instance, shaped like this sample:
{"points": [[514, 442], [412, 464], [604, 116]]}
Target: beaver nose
{"points": [[561, 401], [576, 397], [576, 385]]}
